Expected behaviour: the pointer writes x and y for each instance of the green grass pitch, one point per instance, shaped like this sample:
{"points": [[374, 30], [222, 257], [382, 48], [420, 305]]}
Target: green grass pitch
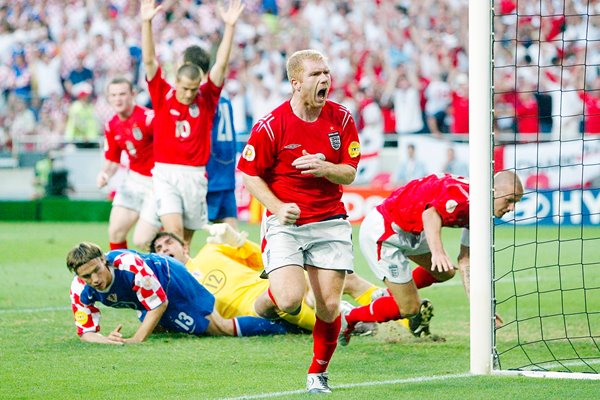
{"points": [[42, 358]]}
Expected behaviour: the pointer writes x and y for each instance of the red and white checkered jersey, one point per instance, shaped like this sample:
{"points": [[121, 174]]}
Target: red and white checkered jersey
{"points": [[133, 135], [182, 133], [134, 286], [280, 137], [448, 194]]}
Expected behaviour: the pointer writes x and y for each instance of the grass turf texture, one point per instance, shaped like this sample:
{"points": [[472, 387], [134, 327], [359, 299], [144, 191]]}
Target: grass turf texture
{"points": [[42, 358]]}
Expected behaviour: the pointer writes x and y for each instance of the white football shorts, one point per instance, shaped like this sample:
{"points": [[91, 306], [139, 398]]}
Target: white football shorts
{"points": [[136, 193], [181, 189], [326, 244], [386, 248]]}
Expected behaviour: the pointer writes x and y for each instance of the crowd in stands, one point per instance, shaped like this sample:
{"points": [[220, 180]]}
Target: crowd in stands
{"points": [[403, 61]]}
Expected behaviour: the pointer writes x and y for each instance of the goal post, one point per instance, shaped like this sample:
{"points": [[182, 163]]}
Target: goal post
{"points": [[480, 176], [540, 269]]}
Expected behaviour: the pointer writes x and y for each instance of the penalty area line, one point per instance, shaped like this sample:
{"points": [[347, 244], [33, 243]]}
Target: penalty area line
{"points": [[354, 385]]}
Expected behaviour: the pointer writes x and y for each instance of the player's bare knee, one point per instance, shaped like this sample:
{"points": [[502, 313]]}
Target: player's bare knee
{"points": [[289, 304], [445, 275], [328, 310], [141, 244]]}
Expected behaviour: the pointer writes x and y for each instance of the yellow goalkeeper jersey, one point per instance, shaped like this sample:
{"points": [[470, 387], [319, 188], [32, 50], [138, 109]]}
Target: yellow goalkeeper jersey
{"points": [[232, 275]]}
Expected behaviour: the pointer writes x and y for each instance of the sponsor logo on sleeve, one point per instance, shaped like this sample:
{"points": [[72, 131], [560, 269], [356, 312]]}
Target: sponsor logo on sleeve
{"points": [[451, 206], [354, 149], [81, 317], [248, 154]]}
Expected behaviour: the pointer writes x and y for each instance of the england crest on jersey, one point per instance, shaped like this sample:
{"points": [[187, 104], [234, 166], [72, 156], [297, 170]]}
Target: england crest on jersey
{"points": [[137, 133], [334, 139], [194, 112]]}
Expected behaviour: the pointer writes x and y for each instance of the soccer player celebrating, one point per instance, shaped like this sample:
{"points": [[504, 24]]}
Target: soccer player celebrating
{"points": [[295, 161], [407, 226], [184, 116], [220, 197], [130, 131], [159, 288]]}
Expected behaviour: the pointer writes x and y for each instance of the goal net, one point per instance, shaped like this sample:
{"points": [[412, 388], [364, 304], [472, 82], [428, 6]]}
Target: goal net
{"points": [[545, 124]]}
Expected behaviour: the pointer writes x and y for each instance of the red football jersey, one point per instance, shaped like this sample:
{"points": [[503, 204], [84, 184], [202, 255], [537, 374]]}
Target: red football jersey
{"points": [[448, 194], [133, 135], [279, 138], [182, 132]]}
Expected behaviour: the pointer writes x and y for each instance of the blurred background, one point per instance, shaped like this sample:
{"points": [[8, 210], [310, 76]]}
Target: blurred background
{"points": [[400, 66]]}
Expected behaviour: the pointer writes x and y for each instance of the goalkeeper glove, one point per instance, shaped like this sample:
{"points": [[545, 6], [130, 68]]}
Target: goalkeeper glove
{"points": [[225, 234]]}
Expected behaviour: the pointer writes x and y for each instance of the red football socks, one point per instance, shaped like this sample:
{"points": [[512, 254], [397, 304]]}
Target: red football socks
{"points": [[120, 245], [382, 309], [423, 277], [325, 335]]}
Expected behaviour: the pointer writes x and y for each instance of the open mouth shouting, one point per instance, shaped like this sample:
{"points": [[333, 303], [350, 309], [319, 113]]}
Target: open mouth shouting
{"points": [[321, 95]]}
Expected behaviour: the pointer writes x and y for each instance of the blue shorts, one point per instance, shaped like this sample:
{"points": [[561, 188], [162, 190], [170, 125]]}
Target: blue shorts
{"points": [[187, 313], [221, 205]]}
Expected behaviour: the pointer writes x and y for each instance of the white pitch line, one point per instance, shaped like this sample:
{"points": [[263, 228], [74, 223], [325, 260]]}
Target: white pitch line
{"points": [[32, 310], [353, 385]]}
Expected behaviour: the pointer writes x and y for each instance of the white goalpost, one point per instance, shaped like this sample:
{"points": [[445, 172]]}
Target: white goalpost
{"points": [[480, 171], [553, 303]]}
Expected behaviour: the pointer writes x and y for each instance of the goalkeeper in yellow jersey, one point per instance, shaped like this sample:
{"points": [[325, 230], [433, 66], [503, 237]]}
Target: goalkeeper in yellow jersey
{"points": [[229, 266]]}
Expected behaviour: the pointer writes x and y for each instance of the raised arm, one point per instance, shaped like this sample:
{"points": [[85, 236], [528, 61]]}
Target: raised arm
{"points": [[148, 10], [230, 18]]}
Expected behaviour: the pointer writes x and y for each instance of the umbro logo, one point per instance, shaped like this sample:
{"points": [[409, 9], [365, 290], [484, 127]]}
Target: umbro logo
{"points": [[292, 146]]}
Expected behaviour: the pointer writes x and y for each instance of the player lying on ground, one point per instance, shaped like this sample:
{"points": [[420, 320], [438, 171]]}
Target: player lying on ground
{"points": [[229, 266], [164, 293], [407, 226]]}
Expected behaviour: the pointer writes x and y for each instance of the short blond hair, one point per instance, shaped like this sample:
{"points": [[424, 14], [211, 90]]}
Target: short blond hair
{"points": [[295, 64]]}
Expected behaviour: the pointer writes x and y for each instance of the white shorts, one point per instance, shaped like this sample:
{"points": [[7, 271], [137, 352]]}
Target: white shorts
{"points": [[136, 193], [385, 247], [181, 189], [326, 244]]}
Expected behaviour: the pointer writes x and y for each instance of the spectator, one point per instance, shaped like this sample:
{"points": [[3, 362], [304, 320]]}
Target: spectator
{"points": [[591, 99], [438, 98], [22, 76], [453, 165], [82, 127], [527, 111], [459, 110], [411, 168], [46, 73], [78, 75], [23, 124], [403, 88]]}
